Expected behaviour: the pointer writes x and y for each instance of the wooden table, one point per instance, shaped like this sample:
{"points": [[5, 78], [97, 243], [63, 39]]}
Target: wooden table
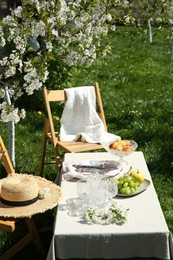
{"points": [[145, 235]]}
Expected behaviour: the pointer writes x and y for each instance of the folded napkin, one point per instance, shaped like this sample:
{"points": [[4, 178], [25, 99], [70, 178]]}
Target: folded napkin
{"points": [[80, 119], [83, 169]]}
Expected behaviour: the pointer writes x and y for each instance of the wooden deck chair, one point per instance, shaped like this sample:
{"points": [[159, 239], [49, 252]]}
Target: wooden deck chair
{"points": [[9, 224], [52, 96]]}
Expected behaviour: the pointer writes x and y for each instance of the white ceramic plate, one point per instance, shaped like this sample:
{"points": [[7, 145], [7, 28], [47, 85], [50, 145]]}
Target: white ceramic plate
{"points": [[105, 168], [140, 189]]}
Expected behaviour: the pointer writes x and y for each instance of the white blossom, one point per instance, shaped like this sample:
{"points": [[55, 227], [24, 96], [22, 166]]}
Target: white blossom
{"points": [[33, 2], [9, 113], [4, 61], [108, 17], [2, 93], [49, 46], [113, 27], [18, 11], [34, 85], [46, 73], [38, 29], [127, 19], [55, 32], [111, 214], [8, 20], [10, 71]]}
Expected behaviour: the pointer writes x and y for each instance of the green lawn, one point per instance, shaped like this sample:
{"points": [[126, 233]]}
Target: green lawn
{"points": [[136, 86]]}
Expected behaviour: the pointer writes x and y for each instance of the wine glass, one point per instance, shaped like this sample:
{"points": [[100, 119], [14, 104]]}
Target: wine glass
{"points": [[94, 192]]}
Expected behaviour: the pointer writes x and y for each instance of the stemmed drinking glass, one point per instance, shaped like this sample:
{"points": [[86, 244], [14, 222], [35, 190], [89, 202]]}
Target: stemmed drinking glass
{"points": [[95, 191], [120, 154]]}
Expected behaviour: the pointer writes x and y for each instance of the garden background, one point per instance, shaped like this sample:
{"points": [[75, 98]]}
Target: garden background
{"points": [[136, 87]]}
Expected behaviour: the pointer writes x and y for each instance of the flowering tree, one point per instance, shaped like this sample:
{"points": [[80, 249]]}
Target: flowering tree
{"points": [[68, 32], [157, 11], [40, 31]]}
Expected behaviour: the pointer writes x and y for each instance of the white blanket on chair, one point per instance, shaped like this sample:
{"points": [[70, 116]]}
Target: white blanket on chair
{"points": [[80, 119]]}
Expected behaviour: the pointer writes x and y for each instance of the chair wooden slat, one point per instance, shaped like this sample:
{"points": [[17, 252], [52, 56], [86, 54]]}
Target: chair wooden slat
{"points": [[54, 95], [5, 158], [9, 224]]}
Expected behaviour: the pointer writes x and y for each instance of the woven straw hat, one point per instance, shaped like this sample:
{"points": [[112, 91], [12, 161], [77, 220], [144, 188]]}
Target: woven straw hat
{"points": [[24, 195]]}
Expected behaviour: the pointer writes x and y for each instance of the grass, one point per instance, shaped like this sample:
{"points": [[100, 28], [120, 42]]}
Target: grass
{"points": [[136, 86]]}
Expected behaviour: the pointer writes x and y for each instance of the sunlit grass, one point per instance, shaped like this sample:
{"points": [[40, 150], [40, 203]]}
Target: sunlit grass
{"points": [[136, 86]]}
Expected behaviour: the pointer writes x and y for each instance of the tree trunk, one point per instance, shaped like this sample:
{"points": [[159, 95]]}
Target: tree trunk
{"points": [[150, 31], [11, 132]]}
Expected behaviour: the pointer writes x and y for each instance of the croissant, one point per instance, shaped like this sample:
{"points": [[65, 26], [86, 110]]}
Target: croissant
{"points": [[121, 145]]}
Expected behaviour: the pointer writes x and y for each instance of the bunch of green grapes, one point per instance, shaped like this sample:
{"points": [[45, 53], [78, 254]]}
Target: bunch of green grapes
{"points": [[127, 185]]}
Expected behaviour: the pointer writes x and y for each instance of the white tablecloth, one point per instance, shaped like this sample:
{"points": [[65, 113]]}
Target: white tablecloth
{"points": [[144, 235]]}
